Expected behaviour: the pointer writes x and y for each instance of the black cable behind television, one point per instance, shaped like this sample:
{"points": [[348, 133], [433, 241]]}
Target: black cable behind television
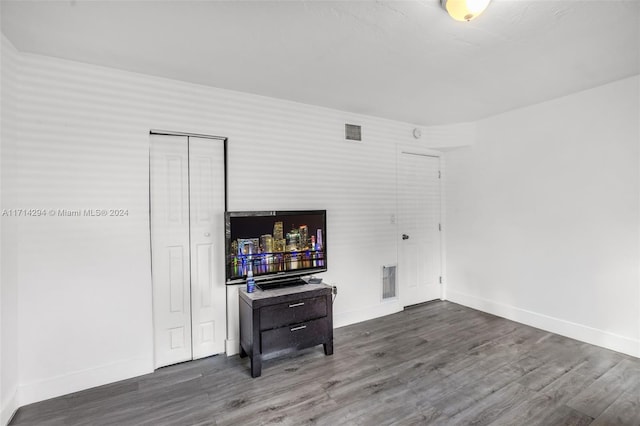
{"points": [[279, 246]]}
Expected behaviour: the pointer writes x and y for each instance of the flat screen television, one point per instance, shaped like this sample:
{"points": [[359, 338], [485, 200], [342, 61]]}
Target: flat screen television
{"points": [[279, 246]]}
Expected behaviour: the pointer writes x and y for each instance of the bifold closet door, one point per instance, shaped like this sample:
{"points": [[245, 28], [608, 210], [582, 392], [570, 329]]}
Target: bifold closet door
{"points": [[187, 237], [170, 260], [208, 292]]}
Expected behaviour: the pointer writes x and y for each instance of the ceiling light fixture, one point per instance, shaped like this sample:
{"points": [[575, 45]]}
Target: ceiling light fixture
{"points": [[464, 10]]}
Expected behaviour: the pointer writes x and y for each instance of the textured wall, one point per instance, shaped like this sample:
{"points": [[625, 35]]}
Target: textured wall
{"points": [[543, 216], [9, 62], [85, 291]]}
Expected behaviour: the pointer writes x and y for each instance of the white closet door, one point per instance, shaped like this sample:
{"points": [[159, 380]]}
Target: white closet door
{"points": [[208, 294], [419, 263], [170, 249]]}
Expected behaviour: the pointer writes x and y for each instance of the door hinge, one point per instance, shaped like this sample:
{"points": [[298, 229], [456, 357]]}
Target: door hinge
{"points": [[439, 174], [441, 280], [440, 227]]}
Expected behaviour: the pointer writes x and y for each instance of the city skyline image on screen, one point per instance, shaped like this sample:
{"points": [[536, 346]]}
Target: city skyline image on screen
{"points": [[275, 244]]}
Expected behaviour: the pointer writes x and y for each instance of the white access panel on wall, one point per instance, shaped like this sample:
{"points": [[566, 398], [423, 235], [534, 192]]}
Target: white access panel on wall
{"points": [[419, 263], [187, 237]]}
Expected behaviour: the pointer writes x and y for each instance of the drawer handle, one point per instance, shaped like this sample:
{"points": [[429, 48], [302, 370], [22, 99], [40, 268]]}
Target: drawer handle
{"points": [[296, 304], [302, 327]]}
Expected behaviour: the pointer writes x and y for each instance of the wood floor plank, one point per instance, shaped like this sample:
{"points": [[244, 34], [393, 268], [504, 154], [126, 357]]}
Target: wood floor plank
{"points": [[625, 410], [433, 364], [532, 408], [464, 397], [594, 399], [549, 372], [50, 412], [564, 416], [576, 380], [490, 408]]}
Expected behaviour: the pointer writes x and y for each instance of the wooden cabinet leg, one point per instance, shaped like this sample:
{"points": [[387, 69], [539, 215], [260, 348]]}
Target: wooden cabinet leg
{"points": [[256, 365], [243, 354], [328, 348]]}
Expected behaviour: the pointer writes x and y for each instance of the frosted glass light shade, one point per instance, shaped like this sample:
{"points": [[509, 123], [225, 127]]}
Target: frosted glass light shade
{"points": [[464, 10]]}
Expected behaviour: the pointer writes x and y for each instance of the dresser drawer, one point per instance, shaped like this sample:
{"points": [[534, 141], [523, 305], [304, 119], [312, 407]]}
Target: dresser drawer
{"points": [[296, 336], [292, 312]]}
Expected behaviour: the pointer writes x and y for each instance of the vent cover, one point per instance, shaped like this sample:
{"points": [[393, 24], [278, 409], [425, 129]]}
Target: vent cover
{"points": [[389, 289], [353, 132]]}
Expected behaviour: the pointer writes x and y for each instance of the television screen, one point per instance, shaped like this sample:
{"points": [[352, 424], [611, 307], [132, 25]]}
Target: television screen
{"points": [[275, 244]]}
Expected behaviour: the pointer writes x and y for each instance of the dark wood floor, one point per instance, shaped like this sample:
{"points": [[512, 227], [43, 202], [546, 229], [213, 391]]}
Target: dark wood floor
{"points": [[438, 363]]}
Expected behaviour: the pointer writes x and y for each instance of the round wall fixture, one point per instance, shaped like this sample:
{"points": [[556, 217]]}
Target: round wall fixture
{"points": [[417, 133], [464, 10]]}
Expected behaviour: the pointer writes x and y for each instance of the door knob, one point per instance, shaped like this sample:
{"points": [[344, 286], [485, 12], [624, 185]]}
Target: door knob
{"points": [[405, 237], [206, 234]]}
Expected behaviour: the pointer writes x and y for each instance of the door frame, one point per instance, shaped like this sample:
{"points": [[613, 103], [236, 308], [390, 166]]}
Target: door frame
{"points": [[406, 148], [225, 141]]}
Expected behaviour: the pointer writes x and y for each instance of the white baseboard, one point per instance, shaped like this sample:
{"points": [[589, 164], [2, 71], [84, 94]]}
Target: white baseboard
{"points": [[232, 347], [566, 328], [9, 408], [342, 319], [84, 379]]}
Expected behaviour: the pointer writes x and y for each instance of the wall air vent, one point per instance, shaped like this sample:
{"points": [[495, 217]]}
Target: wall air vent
{"points": [[389, 289], [353, 132]]}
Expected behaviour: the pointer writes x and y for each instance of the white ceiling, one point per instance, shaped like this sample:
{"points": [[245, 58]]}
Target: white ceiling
{"points": [[403, 60]]}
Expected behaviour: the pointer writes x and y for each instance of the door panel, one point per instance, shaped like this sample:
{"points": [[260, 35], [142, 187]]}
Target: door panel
{"points": [[170, 249], [208, 293], [177, 285], [419, 221]]}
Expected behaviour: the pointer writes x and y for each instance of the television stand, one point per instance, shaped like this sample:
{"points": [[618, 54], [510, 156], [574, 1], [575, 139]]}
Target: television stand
{"points": [[284, 320]]}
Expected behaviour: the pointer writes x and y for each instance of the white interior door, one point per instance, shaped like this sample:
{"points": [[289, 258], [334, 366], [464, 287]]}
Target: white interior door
{"points": [[187, 241], [208, 294], [419, 263], [170, 260]]}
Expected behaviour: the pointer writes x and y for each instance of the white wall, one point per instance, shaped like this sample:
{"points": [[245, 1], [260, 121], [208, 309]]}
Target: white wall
{"points": [[84, 282], [543, 217], [8, 272]]}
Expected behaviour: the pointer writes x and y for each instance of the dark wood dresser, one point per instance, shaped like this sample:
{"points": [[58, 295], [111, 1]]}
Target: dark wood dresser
{"points": [[285, 319]]}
